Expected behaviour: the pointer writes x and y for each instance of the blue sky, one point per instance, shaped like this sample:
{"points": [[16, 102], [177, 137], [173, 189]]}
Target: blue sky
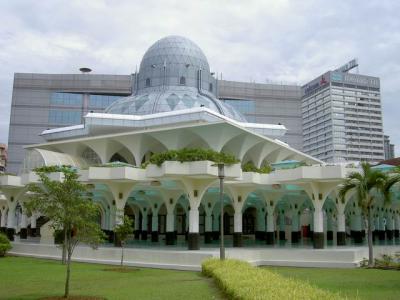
{"points": [[288, 41]]}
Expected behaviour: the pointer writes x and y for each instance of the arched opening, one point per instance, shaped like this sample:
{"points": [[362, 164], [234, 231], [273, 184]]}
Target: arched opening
{"points": [[182, 80], [91, 157], [148, 82], [249, 220], [118, 158]]}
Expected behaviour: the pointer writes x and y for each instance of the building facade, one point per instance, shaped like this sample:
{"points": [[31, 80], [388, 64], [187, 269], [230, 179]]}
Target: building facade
{"points": [[342, 118], [267, 103], [3, 157], [45, 101], [389, 148]]}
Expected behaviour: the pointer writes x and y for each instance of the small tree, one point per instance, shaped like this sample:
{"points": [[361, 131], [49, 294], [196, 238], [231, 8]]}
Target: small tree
{"points": [[367, 185], [69, 208], [122, 231], [5, 244]]}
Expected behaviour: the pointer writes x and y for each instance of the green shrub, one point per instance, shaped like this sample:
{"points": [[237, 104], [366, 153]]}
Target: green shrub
{"points": [[188, 154], [250, 167], [5, 244], [240, 280]]}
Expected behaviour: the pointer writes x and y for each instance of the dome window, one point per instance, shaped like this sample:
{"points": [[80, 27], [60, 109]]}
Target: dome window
{"points": [[148, 82], [182, 80]]}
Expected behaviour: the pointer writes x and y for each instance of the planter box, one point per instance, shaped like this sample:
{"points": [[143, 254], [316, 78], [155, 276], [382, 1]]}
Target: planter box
{"points": [[118, 173], [10, 180], [194, 169]]}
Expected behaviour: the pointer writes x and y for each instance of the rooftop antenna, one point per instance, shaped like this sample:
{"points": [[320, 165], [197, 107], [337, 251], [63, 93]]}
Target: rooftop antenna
{"points": [[85, 70]]}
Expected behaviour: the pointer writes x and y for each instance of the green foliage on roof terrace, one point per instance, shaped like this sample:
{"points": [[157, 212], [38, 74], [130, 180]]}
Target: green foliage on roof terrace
{"points": [[192, 154], [250, 167]]}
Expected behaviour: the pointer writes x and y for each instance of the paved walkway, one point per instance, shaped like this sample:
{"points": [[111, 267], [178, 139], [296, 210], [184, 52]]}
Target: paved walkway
{"points": [[182, 259]]}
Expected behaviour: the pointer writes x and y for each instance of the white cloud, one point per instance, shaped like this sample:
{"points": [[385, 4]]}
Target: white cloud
{"points": [[245, 40]]}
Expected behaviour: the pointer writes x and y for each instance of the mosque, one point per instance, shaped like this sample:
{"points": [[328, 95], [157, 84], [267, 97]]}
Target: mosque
{"points": [[174, 107]]}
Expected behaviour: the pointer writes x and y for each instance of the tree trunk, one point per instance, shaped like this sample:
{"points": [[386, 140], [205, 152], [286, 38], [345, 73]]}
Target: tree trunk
{"points": [[64, 248], [370, 249], [66, 292], [122, 253]]}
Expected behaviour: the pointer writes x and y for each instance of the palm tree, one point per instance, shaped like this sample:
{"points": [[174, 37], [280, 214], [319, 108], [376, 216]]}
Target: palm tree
{"points": [[366, 185]]}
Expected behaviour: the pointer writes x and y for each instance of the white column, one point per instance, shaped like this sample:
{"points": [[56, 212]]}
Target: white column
{"points": [[194, 220], [208, 222], [318, 220], [216, 222], [154, 222], [144, 221], [24, 220], [170, 222], [270, 222], [3, 219], [11, 217], [260, 220], [137, 220], [396, 222], [238, 222], [341, 222]]}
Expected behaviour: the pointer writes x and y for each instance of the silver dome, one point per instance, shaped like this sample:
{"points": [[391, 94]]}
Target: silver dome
{"points": [[174, 74]]}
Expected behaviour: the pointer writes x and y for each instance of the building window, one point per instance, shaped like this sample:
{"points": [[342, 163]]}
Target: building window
{"points": [[101, 101], [148, 83], [182, 81], [59, 116], [69, 99], [91, 157], [210, 87]]}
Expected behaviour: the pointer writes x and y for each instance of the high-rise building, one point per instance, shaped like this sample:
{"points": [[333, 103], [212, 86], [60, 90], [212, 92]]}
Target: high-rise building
{"points": [[46, 101], [389, 148], [267, 103], [342, 117], [3, 157]]}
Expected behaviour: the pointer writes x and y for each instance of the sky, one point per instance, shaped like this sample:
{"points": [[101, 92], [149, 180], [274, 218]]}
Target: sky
{"points": [[260, 40]]}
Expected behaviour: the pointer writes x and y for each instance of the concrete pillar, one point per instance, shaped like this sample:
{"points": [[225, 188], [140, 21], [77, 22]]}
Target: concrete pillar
{"points": [[23, 233], [144, 226], [389, 226], [318, 233], [11, 223], [356, 225], [170, 234], [33, 232], [382, 228], [216, 220], [396, 225], [282, 226], [295, 227], [341, 233], [3, 221], [137, 225], [154, 227], [193, 236], [270, 234], [238, 229], [208, 228]]}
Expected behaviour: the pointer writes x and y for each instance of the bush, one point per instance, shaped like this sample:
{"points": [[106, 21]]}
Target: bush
{"points": [[240, 280], [187, 155], [250, 167], [5, 244]]}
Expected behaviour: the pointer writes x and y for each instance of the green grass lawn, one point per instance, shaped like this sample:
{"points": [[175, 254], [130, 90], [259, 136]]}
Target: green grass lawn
{"points": [[353, 283], [29, 278]]}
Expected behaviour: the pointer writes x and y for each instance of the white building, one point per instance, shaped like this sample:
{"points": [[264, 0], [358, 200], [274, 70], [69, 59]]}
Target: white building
{"points": [[342, 118], [174, 108]]}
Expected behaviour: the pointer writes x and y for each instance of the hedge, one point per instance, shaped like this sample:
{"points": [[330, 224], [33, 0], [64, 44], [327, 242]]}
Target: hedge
{"points": [[5, 244], [239, 280], [188, 154]]}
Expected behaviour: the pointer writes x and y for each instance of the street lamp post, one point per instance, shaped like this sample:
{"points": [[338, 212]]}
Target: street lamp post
{"points": [[221, 177]]}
